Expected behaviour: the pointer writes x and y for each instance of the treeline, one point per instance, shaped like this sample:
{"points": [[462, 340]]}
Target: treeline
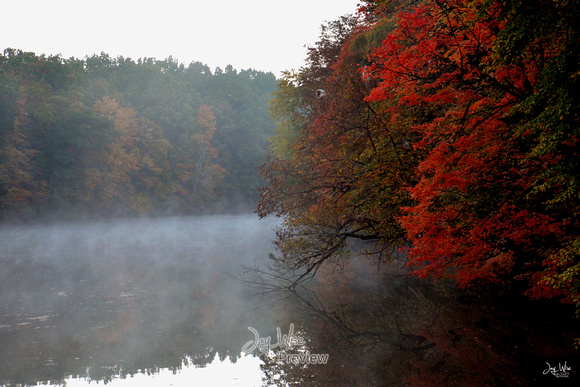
{"points": [[115, 136], [446, 129]]}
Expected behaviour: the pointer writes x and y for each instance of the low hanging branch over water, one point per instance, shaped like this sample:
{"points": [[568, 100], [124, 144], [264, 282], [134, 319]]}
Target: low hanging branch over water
{"points": [[447, 129]]}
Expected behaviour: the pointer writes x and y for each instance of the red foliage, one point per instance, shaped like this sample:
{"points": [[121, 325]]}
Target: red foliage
{"points": [[457, 129], [470, 220]]}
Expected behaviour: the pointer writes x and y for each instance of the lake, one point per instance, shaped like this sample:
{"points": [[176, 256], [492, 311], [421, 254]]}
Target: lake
{"points": [[106, 300], [176, 301]]}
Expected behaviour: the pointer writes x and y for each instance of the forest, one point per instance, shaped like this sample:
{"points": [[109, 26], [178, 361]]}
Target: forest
{"points": [[443, 130], [421, 172], [106, 136]]}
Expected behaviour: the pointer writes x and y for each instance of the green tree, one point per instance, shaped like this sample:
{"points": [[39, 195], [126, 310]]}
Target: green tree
{"points": [[20, 187]]}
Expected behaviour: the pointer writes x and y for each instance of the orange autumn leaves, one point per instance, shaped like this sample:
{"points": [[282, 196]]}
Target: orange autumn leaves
{"points": [[133, 167], [437, 133]]}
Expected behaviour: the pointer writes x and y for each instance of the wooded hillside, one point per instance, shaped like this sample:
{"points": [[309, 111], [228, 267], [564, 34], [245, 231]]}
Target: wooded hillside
{"points": [[115, 136]]}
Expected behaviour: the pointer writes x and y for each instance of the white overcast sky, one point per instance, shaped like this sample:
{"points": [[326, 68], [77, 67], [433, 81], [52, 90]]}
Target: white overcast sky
{"points": [[261, 34]]}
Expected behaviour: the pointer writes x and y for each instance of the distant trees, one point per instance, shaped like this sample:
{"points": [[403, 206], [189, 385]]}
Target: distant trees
{"points": [[125, 137], [447, 128]]}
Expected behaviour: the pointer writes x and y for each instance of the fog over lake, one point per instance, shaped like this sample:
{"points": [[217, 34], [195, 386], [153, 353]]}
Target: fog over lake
{"points": [[176, 301], [108, 299]]}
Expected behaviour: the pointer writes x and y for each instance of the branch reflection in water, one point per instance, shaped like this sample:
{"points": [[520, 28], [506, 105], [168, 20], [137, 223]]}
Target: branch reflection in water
{"points": [[137, 301], [381, 326]]}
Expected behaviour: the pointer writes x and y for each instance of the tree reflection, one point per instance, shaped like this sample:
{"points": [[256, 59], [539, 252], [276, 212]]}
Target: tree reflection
{"points": [[381, 326], [107, 301]]}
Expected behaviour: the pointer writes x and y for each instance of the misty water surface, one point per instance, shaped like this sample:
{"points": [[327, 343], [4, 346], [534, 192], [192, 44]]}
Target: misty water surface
{"points": [[160, 302], [100, 300]]}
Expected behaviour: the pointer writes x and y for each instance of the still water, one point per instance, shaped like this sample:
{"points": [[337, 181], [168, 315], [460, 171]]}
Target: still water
{"points": [[174, 301], [132, 302]]}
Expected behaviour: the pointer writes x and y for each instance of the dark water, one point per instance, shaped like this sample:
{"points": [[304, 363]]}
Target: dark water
{"points": [[141, 300], [382, 327]]}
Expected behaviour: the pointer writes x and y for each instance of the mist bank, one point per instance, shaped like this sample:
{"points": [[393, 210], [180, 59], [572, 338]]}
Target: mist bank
{"points": [[117, 137], [107, 299]]}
